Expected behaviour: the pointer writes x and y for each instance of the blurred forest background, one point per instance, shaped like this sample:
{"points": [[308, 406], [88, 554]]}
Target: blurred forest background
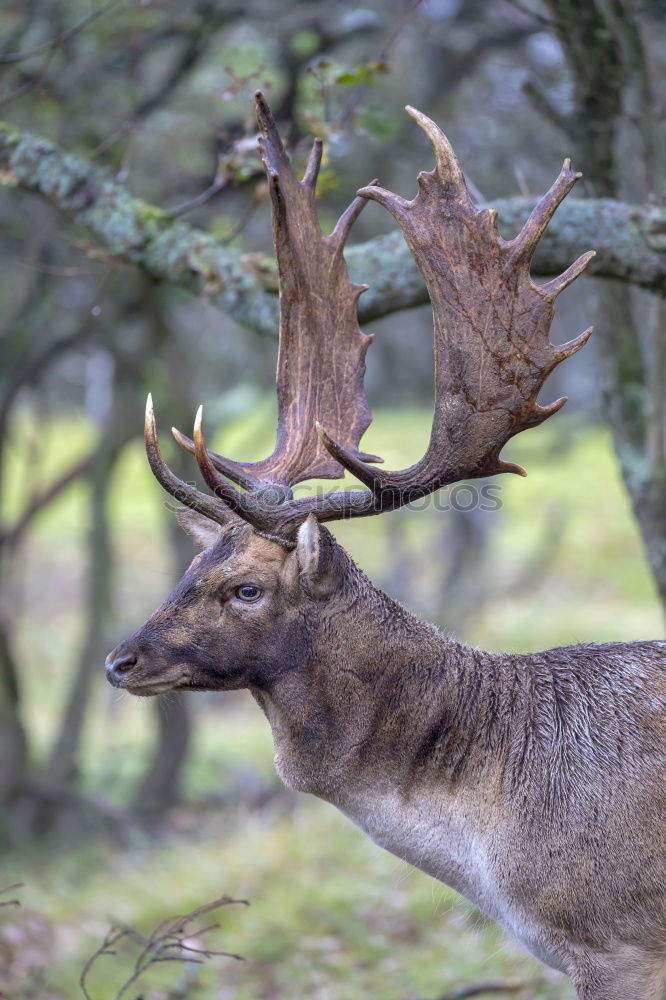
{"points": [[136, 255]]}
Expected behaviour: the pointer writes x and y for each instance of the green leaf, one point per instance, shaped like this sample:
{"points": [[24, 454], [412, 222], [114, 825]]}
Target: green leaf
{"points": [[376, 121], [305, 42]]}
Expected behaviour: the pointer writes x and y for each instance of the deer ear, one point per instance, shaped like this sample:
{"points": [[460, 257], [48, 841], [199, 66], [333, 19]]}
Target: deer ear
{"points": [[201, 529], [318, 558]]}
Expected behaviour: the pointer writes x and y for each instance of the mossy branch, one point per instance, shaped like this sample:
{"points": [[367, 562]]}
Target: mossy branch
{"points": [[131, 229], [630, 239]]}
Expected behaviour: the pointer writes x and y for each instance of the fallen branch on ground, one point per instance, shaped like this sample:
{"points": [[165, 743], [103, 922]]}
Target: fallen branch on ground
{"points": [[11, 888], [486, 989], [176, 939]]}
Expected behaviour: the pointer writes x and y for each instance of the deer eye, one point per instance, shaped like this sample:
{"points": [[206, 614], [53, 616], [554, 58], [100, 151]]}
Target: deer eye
{"points": [[248, 592]]}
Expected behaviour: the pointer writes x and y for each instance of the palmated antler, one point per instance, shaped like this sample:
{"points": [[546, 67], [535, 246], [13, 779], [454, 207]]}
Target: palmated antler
{"points": [[492, 348], [492, 323], [321, 360]]}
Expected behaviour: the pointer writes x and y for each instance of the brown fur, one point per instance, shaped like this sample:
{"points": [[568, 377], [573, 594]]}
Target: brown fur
{"points": [[533, 784]]}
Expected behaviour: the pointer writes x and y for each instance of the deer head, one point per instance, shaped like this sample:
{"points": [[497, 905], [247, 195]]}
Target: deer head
{"points": [[240, 616], [267, 564]]}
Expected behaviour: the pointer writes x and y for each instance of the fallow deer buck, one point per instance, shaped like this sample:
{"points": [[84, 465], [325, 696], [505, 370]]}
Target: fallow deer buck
{"points": [[532, 784]]}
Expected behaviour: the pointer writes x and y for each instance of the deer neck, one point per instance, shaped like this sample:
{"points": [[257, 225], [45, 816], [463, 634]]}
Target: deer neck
{"points": [[398, 726], [382, 702]]}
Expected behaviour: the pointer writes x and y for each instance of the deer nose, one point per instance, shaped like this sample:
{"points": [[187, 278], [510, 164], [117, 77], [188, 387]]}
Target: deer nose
{"points": [[117, 665]]}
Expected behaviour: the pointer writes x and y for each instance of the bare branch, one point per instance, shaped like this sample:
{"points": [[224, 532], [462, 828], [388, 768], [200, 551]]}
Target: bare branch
{"points": [[13, 534], [547, 108], [11, 888], [54, 43], [175, 934], [630, 239], [485, 989], [134, 231], [107, 947], [199, 199]]}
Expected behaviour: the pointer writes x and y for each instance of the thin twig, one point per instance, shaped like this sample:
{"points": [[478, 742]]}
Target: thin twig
{"points": [[539, 18], [199, 199], [169, 936], [53, 43], [544, 106], [107, 947], [11, 888], [398, 29], [12, 535], [242, 222], [479, 989]]}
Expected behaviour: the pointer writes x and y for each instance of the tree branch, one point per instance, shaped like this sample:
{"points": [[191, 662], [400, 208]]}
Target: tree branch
{"points": [[630, 239], [54, 43], [133, 230], [13, 534], [483, 989]]}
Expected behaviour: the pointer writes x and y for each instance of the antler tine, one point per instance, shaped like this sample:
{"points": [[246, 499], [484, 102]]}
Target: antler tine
{"points": [[183, 492], [525, 243], [556, 285], [273, 154], [564, 351], [342, 227], [447, 168], [375, 192], [219, 486], [314, 163], [232, 470], [368, 476]]}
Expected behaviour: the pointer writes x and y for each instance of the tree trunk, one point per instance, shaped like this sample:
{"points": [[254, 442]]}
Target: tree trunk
{"points": [[160, 786], [13, 742], [606, 58], [63, 759]]}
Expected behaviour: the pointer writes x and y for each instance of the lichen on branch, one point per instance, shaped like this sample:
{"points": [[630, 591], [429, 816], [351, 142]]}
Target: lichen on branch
{"points": [[630, 240], [165, 248]]}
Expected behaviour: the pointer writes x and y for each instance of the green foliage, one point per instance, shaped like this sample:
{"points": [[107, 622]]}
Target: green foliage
{"points": [[364, 74], [326, 907], [11, 133], [305, 42], [374, 120]]}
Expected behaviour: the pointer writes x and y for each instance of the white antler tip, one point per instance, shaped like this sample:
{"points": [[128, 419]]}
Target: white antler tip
{"points": [[149, 405], [419, 117], [198, 420]]}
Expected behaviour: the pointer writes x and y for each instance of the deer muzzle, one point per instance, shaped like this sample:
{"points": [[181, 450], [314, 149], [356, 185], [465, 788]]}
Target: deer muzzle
{"points": [[126, 669]]}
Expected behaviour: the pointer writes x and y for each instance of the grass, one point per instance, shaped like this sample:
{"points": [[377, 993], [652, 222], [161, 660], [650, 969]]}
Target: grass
{"points": [[331, 915], [327, 908]]}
